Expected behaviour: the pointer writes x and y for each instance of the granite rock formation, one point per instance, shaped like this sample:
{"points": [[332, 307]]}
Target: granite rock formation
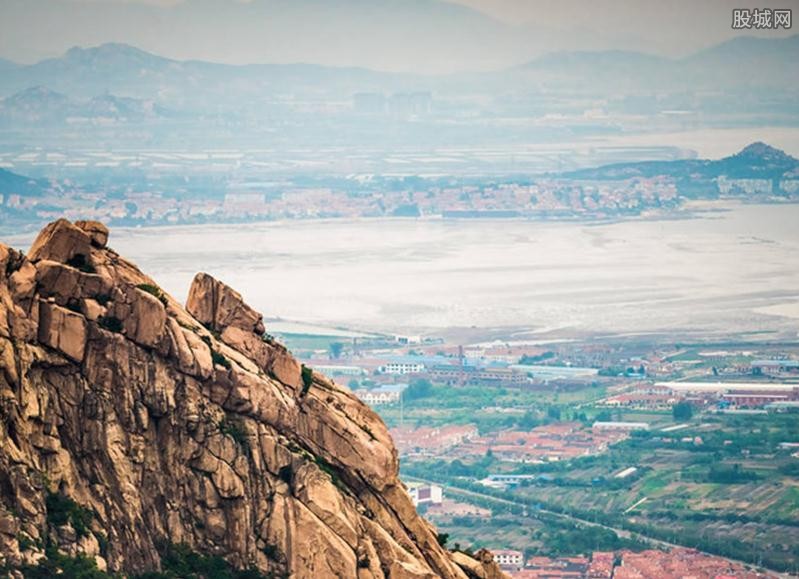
{"points": [[129, 423]]}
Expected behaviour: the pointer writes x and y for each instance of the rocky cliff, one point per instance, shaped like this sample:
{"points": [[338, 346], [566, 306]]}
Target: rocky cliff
{"points": [[134, 429]]}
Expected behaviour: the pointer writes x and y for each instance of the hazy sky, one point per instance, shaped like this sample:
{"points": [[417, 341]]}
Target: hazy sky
{"points": [[409, 35]]}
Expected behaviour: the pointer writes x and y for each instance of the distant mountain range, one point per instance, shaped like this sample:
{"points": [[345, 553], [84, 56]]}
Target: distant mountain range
{"points": [[743, 63], [7, 65], [124, 70], [755, 161], [418, 35], [40, 105]]}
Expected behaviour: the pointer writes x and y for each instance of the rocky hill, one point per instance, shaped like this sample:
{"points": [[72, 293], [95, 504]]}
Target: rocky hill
{"points": [[755, 161], [38, 106], [141, 437]]}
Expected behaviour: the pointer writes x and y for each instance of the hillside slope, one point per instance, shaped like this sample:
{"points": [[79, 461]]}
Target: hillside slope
{"points": [[134, 429]]}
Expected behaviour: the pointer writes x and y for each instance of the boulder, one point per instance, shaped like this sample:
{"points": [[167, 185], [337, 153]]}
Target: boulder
{"points": [[97, 232], [481, 566], [67, 284], [218, 306], [63, 330], [60, 241]]}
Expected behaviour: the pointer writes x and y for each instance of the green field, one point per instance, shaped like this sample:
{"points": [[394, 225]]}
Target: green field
{"points": [[492, 408]]}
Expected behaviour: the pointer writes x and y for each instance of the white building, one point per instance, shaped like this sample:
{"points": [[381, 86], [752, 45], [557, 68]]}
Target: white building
{"points": [[723, 387], [627, 426], [402, 368], [340, 370], [422, 494], [387, 394], [508, 558]]}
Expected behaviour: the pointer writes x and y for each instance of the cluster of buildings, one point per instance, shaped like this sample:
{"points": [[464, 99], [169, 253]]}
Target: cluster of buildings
{"points": [[679, 563], [431, 441], [551, 442], [459, 369], [776, 368], [259, 198], [643, 396], [723, 395], [495, 366], [448, 509], [734, 395]]}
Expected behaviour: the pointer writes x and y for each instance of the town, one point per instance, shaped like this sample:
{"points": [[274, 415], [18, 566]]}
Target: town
{"points": [[590, 458], [256, 189]]}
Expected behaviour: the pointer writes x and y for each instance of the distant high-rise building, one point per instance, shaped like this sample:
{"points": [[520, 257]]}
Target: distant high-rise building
{"points": [[410, 103], [369, 103]]}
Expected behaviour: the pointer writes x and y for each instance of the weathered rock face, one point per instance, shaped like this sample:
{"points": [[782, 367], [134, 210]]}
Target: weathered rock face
{"points": [[159, 425]]}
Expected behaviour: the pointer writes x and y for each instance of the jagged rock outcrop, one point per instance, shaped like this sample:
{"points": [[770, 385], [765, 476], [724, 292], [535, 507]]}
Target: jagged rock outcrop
{"points": [[128, 423], [480, 566]]}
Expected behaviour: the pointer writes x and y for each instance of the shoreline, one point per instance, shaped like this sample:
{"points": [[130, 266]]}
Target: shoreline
{"points": [[686, 212]]}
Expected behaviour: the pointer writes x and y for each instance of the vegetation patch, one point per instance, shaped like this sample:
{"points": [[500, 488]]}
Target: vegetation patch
{"points": [[368, 431], [25, 542], [236, 431], [722, 474], [531, 360], [213, 331], [181, 562], [307, 379], [682, 411], [154, 291], [220, 359], [62, 510], [217, 357], [57, 565], [328, 468]]}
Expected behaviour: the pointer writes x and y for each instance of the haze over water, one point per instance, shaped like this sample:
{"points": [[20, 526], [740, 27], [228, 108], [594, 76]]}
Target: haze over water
{"points": [[726, 271]]}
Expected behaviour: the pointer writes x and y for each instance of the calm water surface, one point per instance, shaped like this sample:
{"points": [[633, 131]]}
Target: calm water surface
{"points": [[730, 271]]}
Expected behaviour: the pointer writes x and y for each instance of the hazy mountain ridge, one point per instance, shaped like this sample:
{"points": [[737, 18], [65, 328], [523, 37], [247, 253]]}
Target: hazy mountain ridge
{"points": [[8, 65], [129, 71], [436, 35], [740, 62], [40, 104], [190, 85]]}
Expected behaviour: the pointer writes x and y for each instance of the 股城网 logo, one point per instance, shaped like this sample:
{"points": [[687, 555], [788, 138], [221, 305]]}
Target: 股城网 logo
{"points": [[761, 18]]}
